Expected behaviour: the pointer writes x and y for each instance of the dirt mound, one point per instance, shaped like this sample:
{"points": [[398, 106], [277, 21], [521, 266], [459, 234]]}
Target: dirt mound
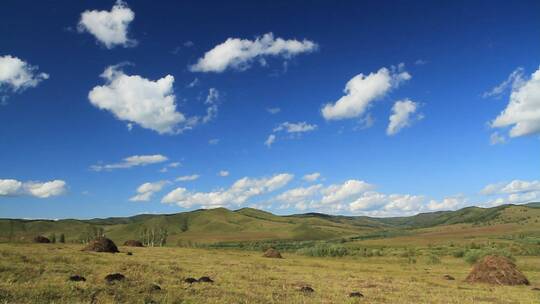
{"points": [[191, 280], [114, 277], [272, 253], [496, 270], [133, 243], [77, 278], [41, 239], [101, 244], [205, 280], [356, 294]]}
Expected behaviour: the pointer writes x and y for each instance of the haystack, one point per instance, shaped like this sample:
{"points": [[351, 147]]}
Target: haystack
{"points": [[133, 243], [272, 253], [41, 239], [101, 244], [496, 270]]}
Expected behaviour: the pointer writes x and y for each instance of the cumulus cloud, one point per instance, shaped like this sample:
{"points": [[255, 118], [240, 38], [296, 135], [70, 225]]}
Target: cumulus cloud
{"points": [[362, 90], [147, 190], [448, 203], [402, 115], [132, 98], [223, 173], [109, 27], [341, 192], [17, 75], [299, 198], [312, 177], [131, 161], [213, 141], [270, 140], [514, 81], [514, 192], [238, 54], [239, 193], [188, 178], [515, 186], [12, 187], [522, 113]]}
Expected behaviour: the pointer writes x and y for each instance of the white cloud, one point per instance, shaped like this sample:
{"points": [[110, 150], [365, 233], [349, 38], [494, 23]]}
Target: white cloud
{"points": [[212, 110], [299, 127], [273, 110], [11, 187], [46, 189], [515, 80], [495, 138], [448, 203], [132, 161], [147, 190], [401, 117], [109, 27], [238, 53], [213, 141], [311, 177], [18, 75], [194, 83], [270, 140], [300, 197], [223, 173], [188, 178], [361, 90], [515, 186], [522, 113], [341, 192], [171, 165], [239, 193], [132, 98]]}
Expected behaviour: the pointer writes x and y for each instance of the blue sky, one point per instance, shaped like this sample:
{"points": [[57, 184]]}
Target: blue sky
{"points": [[112, 109]]}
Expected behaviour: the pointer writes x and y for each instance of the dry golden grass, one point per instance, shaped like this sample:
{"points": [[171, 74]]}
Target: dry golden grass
{"points": [[38, 273]]}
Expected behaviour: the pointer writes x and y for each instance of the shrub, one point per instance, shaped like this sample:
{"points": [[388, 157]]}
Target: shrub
{"points": [[324, 250], [433, 259], [458, 253]]}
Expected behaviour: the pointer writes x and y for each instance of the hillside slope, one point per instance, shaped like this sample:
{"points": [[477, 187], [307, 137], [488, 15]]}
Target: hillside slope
{"points": [[247, 224]]}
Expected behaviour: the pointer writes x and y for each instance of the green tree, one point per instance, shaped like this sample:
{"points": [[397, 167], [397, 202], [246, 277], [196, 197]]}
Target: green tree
{"points": [[53, 238], [62, 238]]}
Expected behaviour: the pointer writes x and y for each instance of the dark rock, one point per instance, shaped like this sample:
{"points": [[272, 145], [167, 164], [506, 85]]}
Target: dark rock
{"points": [[154, 287], [356, 294], [535, 289], [306, 289], [191, 280], [205, 280], [114, 277], [129, 253], [449, 277], [77, 278]]}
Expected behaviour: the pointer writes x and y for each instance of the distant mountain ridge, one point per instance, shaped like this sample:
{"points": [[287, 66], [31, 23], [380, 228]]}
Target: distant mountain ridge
{"points": [[248, 224]]}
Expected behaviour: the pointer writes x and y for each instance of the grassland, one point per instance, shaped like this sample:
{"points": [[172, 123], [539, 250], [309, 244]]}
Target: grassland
{"points": [[38, 273], [393, 260]]}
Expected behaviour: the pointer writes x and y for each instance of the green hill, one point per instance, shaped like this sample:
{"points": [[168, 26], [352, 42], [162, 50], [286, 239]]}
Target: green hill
{"points": [[247, 224]]}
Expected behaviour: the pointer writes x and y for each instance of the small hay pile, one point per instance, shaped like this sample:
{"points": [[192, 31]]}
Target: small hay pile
{"points": [[272, 253], [496, 270], [41, 239], [101, 244]]}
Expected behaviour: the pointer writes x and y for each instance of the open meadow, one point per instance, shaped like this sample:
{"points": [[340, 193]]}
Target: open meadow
{"points": [[39, 273]]}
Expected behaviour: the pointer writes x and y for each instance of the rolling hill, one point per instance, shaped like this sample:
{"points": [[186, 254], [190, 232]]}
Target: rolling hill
{"points": [[247, 224]]}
